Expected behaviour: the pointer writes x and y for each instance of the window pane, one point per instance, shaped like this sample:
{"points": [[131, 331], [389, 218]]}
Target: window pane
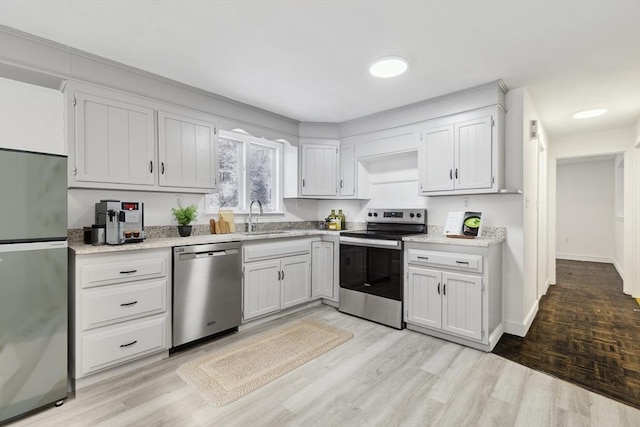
{"points": [[230, 175], [262, 172]]}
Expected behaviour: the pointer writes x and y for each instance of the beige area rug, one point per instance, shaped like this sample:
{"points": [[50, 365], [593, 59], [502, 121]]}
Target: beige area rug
{"points": [[235, 371]]}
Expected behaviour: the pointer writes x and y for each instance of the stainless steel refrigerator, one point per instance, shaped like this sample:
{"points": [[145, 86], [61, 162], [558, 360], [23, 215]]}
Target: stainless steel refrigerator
{"points": [[33, 281]]}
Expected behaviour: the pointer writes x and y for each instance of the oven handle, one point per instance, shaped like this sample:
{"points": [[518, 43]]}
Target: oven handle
{"points": [[374, 243]]}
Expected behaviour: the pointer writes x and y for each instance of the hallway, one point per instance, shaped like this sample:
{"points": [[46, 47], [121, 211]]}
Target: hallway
{"points": [[586, 332]]}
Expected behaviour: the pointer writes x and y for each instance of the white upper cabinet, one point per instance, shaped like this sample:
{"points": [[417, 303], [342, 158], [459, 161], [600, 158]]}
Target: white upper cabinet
{"points": [[115, 142], [319, 169], [348, 170], [187, 152], [462, 154]]}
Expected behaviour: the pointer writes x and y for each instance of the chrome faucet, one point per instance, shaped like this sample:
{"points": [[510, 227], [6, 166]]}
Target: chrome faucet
{"points": [[251, 225]]}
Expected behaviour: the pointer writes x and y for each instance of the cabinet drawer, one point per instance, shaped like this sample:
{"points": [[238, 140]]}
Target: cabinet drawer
{"points": [[454, 261], [124, 270], [116, 303], [116, 345], [263, 251]]}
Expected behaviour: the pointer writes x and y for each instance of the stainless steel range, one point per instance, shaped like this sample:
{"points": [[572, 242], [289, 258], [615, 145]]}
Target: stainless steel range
{"points": [[371, 265]]}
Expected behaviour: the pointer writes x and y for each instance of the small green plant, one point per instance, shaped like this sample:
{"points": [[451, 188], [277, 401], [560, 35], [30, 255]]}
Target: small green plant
{"points": [[185, 215]]}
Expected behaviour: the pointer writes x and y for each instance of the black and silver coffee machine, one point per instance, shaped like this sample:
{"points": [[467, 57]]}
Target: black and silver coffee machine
{"points": [[123, 221]]}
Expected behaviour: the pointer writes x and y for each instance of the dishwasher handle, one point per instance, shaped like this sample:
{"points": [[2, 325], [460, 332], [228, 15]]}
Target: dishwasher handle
{"points": [[208, 254]]}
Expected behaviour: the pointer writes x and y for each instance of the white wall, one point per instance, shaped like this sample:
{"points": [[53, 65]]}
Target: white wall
{"points": [[31, 118], [593, 144], [618, 251], [585, 211]]}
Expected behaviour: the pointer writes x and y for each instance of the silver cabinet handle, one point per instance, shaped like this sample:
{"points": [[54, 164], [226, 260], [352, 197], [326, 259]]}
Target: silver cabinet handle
{"points": [[450, 173], [282, 274], [438, 288], [444, 289], [128, 304], [128, 271], [162, 168], [456, 173], [340, 183], [462, 262], [426, 258], [151, 166], [279, 275], [303, 182], [128, 344]]}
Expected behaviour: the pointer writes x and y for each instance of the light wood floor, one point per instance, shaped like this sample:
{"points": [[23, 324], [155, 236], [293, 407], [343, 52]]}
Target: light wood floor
{"points": [[381, 377]]}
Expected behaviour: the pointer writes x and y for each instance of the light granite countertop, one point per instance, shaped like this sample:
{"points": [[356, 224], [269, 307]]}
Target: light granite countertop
{"points": [[81, 248], [444, 240], [496, 235]]}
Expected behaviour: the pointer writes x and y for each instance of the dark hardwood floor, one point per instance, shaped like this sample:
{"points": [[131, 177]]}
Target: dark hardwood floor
{"points": [[586, 332]]}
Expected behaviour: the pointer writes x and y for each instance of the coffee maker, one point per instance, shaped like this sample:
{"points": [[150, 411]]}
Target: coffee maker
{"points": [[123, 221]]}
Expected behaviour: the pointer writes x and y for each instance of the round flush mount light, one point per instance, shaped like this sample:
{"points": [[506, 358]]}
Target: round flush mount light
{"points": [[389, 66], [587, 114]]}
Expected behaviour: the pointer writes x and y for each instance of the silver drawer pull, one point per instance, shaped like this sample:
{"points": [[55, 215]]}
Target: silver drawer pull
{"points": [[426, 258], [128, 271], [128, 304], [367, 284], [462, 262], [128, 345]]}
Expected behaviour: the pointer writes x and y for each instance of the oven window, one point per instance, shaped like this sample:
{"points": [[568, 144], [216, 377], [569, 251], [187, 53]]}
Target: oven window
{"points": [[373, 271]]}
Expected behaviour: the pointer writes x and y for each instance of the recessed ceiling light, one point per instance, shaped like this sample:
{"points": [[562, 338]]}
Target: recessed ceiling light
{"points": [[389, 66], [587, 114]]}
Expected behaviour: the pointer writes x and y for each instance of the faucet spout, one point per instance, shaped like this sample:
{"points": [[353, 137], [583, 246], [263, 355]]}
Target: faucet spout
{"points": [[251, 225]]}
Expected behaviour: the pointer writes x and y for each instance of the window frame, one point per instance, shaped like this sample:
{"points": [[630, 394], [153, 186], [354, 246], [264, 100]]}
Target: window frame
{"points": [[245, 140]]}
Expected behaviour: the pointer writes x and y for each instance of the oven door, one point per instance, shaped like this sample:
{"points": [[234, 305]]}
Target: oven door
{"points": [[371, 266]]}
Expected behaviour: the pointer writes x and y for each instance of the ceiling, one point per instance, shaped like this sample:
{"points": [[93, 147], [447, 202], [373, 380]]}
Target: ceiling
{"points": [[308, 60]]}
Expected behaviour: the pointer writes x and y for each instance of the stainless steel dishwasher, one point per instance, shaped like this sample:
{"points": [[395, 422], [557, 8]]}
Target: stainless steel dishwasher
{"points": [[207, 290]]}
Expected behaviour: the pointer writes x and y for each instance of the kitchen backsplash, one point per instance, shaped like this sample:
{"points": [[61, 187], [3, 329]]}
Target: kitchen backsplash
{"points": [[153, 231]]}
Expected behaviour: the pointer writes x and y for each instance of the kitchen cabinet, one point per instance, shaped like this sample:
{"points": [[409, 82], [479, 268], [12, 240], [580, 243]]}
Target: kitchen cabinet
{"points": [[347, 171], [454, 293], [124, 142], [187, 152], [120, 310], [322, 269], [462, 154], [319, 168], [276, 276], [115, 142]]}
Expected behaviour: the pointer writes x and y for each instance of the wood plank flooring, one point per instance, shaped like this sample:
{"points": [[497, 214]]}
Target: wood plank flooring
{"points": [[585, 332], [381, 377]]}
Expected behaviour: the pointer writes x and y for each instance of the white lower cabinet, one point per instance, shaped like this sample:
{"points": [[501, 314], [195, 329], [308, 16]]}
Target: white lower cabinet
{"points": [[119, 309], [454, 295], [276, 275], [322, 269]]}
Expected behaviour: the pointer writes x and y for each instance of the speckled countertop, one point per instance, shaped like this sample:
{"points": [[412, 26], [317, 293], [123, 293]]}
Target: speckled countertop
{"points": [[81, 248], [490, 236]]}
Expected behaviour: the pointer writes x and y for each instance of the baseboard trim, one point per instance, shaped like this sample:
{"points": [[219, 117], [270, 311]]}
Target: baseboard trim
{"points": [[588, 258], [618, 268], [521, 329]]}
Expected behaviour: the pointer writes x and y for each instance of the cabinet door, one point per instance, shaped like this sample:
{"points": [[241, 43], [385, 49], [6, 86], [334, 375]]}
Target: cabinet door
{"points": [[296, 280], [423, 297], [473, 167], [115, 142], [322, 272], [462, 305], [436, 159], [347, 170], [188, 154], [261, 288], [319, 167]]}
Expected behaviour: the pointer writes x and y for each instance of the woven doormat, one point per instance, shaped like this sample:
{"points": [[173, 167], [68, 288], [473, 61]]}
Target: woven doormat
{"points": [[233, 372]]}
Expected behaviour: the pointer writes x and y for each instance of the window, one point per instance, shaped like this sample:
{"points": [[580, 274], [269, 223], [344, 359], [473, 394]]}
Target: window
{"points": [[250, 169]]}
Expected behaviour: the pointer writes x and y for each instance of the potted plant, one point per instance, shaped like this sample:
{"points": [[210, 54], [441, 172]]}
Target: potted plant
{"points": [[185, 216]]}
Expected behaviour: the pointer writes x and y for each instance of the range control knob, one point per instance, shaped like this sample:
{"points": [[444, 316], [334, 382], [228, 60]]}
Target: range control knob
{"points": [[411, 215], [418, 215], [370, 214], [375, 214]]}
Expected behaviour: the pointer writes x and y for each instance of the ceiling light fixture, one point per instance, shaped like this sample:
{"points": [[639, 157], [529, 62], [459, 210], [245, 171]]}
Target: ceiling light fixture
{"points": [[389, 66], [587, 114]]}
